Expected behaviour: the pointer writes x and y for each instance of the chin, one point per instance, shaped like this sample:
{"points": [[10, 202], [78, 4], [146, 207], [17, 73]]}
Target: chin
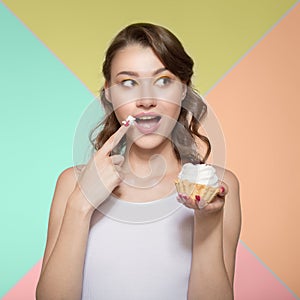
{"points": [[151, 141]]}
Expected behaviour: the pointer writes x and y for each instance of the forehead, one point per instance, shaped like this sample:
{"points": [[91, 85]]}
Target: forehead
{"points": [[135, 58]]}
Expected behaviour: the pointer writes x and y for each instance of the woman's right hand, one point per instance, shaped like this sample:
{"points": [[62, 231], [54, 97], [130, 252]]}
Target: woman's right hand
{"points": [[76, 196], [101, 175]]}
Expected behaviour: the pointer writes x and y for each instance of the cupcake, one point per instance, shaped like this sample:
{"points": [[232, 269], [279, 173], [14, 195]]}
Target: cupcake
{"points": [[200, 179]]}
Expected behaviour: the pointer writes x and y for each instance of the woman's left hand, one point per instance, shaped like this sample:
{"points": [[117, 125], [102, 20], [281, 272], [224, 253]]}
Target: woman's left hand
{"points": [[200, 206]]}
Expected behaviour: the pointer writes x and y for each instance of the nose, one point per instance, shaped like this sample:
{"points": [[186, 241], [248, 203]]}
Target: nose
{"points": [[146, 102], [146, 98]]}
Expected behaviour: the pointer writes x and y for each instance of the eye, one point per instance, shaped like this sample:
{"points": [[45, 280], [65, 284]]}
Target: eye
{"points": [[163, 81], [128, 82]]}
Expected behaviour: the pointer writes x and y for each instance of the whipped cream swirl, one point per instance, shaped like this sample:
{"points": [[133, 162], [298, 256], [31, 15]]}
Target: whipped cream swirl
{"points": [[199, 174]]}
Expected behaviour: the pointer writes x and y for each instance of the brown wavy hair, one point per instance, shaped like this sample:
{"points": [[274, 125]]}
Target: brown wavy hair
{"points": [[171, 53]]}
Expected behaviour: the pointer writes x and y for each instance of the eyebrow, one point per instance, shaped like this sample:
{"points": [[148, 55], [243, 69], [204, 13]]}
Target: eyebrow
{"points": [[131, 73]]}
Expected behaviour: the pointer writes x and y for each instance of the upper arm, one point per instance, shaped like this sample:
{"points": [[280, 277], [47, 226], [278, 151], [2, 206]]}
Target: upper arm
{"points": [[231, 223], [64, 186]]}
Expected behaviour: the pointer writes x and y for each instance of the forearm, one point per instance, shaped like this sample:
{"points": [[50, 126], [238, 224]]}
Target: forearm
{"points": [[208, 277], [62, 275]]}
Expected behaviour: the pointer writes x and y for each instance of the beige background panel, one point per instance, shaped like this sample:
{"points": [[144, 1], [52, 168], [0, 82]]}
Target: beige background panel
{"points": [[258, 105]]}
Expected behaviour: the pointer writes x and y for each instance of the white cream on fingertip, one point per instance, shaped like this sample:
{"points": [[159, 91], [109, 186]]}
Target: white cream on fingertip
{"points": [[129, 121]]}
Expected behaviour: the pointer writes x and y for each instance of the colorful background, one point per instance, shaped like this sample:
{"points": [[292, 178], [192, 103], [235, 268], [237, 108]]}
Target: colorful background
{"points": [[247, 64]]}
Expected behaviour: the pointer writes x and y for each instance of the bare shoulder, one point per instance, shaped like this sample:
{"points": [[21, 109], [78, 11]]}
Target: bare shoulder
{"points": [[229, 178], [70, 175], [65, 185], [67, 179], [232, 206]]}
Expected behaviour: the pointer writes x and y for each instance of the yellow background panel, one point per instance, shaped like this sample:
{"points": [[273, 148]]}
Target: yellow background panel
{"points": [[215, 33]]}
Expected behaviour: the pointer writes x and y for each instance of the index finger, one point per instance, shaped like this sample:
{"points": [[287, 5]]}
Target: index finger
{"points": [[114, 140]]}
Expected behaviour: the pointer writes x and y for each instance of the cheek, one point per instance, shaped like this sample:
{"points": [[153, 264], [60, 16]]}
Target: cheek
{"points": [[173, 110], [169, 119], [122, 111], [121, 97]]}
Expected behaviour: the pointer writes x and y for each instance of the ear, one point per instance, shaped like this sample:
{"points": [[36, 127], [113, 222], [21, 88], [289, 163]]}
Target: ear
{"points": [[106, 91]]}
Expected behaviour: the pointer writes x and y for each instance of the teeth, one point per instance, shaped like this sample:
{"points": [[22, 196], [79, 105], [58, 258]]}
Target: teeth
{"points": [[147, 118], [148, 122]]}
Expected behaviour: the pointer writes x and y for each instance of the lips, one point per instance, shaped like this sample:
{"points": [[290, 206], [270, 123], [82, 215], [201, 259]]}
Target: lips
{"points": [[147, 123]]}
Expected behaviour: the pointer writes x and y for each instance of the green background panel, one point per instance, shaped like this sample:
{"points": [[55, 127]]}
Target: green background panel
{"points": [[41, 102]]}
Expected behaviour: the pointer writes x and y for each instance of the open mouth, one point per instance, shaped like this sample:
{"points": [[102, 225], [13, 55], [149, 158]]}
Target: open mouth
{"points": [[147, 123]]}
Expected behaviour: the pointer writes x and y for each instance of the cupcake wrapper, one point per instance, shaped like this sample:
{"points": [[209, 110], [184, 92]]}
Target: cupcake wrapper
{"points": [[206, 192]]}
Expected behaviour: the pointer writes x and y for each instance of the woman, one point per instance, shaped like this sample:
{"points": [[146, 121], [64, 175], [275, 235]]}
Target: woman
{"points": [[116, 229]]}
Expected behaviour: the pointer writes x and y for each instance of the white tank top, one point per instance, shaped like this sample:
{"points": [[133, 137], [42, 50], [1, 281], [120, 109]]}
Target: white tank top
{"points": [[139, 251]]}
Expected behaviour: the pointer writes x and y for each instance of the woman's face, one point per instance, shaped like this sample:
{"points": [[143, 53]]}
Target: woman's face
{"points": [[141, 86]]}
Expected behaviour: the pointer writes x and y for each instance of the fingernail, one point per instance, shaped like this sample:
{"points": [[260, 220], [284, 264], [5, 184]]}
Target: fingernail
{"points": [[185, 197], [222, 189], [198, 198]]}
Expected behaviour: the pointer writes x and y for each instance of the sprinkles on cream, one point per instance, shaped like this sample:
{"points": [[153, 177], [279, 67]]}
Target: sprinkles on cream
{"points": [[129, 121]]}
